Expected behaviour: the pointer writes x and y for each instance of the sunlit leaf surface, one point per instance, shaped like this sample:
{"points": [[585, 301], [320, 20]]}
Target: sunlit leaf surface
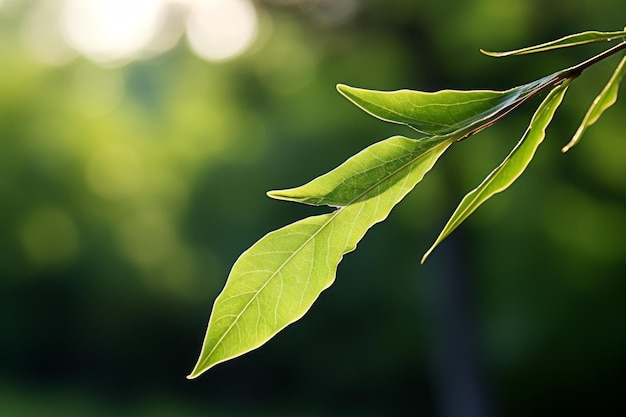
{"points": [[511, 168], [443, 112], [275, 282], [564, 42], [604, 100]]}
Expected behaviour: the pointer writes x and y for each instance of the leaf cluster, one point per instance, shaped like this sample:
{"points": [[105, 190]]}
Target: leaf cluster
{"points": [[276, 281]]}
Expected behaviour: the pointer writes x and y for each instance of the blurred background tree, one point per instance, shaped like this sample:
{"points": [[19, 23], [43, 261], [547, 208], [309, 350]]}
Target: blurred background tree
{"points": [[137, 139]]}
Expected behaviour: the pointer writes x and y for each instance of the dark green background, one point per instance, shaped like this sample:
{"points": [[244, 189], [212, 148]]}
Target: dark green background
{"points": [[118, 229]]}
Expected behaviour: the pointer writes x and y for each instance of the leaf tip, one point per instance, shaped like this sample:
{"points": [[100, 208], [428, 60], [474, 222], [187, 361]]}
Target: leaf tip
{"points": [[570, 145], [281, 195], [575, 139], [194, 373], [488, 53], [426, 255], [203, 365], [343, 89]]}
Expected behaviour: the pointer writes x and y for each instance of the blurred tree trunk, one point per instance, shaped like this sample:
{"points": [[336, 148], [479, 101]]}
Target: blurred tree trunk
{"points": [[455, 364]]}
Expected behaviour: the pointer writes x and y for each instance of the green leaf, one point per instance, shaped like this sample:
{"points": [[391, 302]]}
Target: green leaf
{"points": [[369, 173], [604, 100], [564, 42], [275, 282], [511, 168], [447, 111]]}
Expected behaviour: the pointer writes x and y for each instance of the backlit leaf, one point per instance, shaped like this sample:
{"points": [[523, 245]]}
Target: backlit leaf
{"points": [[366, 175], [511, 168], [564, 42], [604, 100], [447, 111], [275, 282]]}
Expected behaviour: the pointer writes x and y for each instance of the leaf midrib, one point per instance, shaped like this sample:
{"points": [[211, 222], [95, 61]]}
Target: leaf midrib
{"points": [[322, 227], [374, 104], [499, 169]]}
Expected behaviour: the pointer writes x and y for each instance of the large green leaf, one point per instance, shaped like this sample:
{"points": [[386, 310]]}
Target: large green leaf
{"points": [[447, 111], [564, 42], [604, 100], [275, 282], [511, 168]]}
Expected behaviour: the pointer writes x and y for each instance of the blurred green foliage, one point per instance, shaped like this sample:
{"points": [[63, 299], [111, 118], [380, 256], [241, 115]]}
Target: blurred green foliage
{"points": [[128, 192]]}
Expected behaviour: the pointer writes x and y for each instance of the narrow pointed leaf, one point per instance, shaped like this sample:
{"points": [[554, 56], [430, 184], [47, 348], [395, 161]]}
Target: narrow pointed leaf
{"points": [[275, 282], [447, 111], [511, 168], [564, 42], [369, 173], [604, 100]]}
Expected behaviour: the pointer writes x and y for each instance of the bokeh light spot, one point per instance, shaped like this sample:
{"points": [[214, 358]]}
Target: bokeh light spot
{"points": [[219, 30], [111, 30], [97, 91], [334, 12], [115, 172], [147, 238], [150, 240], [49, 237], [288, 66], [42, 37]]}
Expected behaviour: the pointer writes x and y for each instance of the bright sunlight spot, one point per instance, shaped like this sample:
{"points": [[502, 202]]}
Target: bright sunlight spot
{"points": [[111, 30], [219, 30], [41, 38], [114, 32]]}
